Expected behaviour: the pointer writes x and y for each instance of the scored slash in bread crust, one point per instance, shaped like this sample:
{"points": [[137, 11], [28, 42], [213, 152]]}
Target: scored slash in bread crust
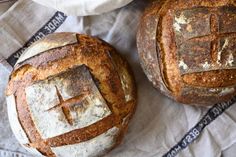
{"points": [[187, 49], [44, 67]]}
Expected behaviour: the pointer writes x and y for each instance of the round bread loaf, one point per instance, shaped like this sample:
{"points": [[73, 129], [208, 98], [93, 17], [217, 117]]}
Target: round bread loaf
{"points": [[70, 95], [187, 49]]}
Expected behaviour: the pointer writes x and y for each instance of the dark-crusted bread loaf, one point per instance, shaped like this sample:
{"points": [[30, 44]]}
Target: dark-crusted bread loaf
{"points": [[187, 49], [70, 95]]}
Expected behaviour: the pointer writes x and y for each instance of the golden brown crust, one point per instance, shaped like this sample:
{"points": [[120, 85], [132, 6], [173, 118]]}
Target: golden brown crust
{"points": [[106, 68], [83, 134], [28, 124], [178, 43], [148, 47], [209, 79]]}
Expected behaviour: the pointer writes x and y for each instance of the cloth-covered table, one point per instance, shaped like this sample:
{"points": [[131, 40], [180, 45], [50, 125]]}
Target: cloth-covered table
{"points": [[160, 127]]}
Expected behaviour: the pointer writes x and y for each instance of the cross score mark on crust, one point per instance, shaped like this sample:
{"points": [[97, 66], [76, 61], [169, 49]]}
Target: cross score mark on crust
{"points": [[205, 39], [67, 105], [214, 37]]}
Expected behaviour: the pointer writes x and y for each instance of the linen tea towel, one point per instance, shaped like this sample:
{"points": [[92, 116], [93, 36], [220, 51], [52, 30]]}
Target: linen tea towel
{"points": [[160, 127]]}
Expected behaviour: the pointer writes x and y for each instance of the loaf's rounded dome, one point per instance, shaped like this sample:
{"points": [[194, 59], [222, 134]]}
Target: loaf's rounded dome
{"points": [[70, 95], [187, 49]]}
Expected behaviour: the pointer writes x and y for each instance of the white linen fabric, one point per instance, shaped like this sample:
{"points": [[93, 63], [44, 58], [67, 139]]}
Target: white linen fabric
{"points": [[159, 123], [84, 7]]}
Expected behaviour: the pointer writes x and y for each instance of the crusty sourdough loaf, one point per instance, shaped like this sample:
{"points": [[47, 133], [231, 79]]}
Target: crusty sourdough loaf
{"points": [[187, 49], [70, 95]]}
